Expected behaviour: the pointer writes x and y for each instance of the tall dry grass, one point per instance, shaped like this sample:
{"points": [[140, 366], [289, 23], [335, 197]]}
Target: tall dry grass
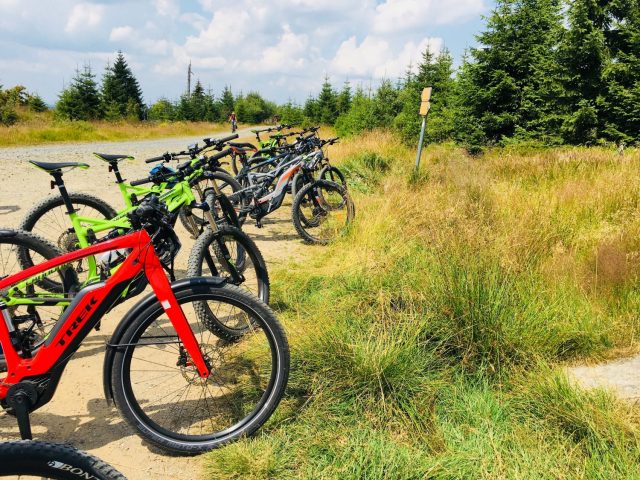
{"points": [[427, 343], [40, 128]]}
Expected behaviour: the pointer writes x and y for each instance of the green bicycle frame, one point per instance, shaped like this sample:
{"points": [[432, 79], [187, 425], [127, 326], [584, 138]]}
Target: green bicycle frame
{"points": [[180, 194]]}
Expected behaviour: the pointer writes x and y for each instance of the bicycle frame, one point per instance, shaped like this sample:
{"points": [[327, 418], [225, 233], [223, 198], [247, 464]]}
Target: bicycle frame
{"points": [[179, 195], [282, 175], [87, 309]]}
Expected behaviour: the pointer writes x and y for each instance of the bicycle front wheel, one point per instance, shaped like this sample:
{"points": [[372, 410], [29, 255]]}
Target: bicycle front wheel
{"points": [[322, 211], [159, 392], [208, 258], [25, 458]]}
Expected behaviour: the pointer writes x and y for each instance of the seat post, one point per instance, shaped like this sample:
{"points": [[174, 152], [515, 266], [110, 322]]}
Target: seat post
{"points": [[113, 166], [57, 180]]}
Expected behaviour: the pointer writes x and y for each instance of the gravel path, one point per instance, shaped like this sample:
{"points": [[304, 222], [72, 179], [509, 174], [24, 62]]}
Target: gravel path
{"points": [[78, 413], [620, 376]]}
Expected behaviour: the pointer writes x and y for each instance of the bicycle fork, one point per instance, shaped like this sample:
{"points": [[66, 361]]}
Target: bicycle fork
{"points": [[227, 262], [162, 289]]}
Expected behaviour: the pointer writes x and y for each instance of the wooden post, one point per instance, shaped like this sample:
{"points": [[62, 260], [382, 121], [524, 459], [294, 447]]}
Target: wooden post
{"points": [[425, 105]]}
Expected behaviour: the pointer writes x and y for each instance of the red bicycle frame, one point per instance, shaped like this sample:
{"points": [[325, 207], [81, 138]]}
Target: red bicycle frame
{"points": [[90, 304]]}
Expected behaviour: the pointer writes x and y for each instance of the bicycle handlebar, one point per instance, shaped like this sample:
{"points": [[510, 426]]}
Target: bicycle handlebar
{"points": [[142, 181], [219, 141], [220, 155], [164, 157]]}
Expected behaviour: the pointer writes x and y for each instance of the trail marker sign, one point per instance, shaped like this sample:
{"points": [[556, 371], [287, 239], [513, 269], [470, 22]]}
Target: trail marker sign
{"points": [[425, 105]]}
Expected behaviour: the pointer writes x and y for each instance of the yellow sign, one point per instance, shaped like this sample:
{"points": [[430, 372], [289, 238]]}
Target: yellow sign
{"points": [[424, 108], [426, 94]]}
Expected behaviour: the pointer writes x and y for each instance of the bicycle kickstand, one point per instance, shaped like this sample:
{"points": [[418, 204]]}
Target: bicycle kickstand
{"points": [[21, 397]]}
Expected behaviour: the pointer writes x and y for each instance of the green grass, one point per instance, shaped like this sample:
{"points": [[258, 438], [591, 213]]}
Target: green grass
{"points": [[429, 342]]}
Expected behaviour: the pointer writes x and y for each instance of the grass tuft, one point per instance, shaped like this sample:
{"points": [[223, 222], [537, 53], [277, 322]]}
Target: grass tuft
{"points": [[429, 341]]}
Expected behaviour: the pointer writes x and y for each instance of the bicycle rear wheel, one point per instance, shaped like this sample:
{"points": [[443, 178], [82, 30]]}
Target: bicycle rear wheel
{"points": [[33, 319], [159, 392], [30, 459], [49, 219]]}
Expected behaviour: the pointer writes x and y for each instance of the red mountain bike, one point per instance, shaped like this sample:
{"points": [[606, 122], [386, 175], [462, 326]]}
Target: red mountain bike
{"points": [[183, 388]]}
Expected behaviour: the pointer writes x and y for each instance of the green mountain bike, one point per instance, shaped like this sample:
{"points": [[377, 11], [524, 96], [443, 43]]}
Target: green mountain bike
{"points": [[229, 253]]}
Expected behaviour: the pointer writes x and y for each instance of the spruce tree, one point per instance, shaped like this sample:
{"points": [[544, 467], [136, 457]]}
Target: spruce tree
{"points": [[121, 91], [620, 103], [311, 110], [386, 104], [510, 82], [343, 100], [81, 100], [436, 72], [583, 56], [327, 103], [227, 103]]}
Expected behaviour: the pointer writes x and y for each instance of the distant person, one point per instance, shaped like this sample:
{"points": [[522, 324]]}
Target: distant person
{"points": [[234, 122]]}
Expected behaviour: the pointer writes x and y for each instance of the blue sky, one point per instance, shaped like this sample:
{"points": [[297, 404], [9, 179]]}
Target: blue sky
{"points": [[281, 48]]}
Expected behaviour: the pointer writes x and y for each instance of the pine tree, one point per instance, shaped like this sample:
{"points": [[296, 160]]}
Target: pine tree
{"points": [[198, 102], [343, 100], [436, 72], [510, 82], [583, 56], [386, 104], [621, 83], [227, 103], [36, 103], [121, 91], [81, 100], [327, 103], [311, 110], [360, 117]]}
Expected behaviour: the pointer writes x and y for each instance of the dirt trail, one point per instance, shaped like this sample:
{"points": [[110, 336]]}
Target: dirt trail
{"points": [[78, 413]]}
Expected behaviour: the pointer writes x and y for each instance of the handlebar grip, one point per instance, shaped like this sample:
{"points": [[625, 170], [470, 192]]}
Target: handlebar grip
{"points": [[142, 181], [156, 159], [227, 139], [243, 145], [220, 155]]}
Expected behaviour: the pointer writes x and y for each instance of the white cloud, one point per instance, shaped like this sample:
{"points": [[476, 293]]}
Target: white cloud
{"points": [[119, 34], [287, 54], [5, 5], [398, 15], [282, 47], [167, 7], [360, 60], [84, 16], [195, 20], [227, 28], [376, 57], [129, 36]]}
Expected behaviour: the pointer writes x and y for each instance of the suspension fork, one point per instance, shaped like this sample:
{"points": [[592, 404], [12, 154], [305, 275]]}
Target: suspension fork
{"points": [[226, 261]]}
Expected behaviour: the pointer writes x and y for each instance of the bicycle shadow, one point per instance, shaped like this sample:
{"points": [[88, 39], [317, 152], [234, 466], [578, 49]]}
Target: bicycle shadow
{"points": [[274, 237], [99, 427]]}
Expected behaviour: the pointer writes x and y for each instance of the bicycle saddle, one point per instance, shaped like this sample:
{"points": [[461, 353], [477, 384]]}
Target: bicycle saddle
{"points": [[112, 158], [57, 166]]}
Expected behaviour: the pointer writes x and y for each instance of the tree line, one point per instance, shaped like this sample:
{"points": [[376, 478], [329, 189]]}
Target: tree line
{"points": [[545, 71]]}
